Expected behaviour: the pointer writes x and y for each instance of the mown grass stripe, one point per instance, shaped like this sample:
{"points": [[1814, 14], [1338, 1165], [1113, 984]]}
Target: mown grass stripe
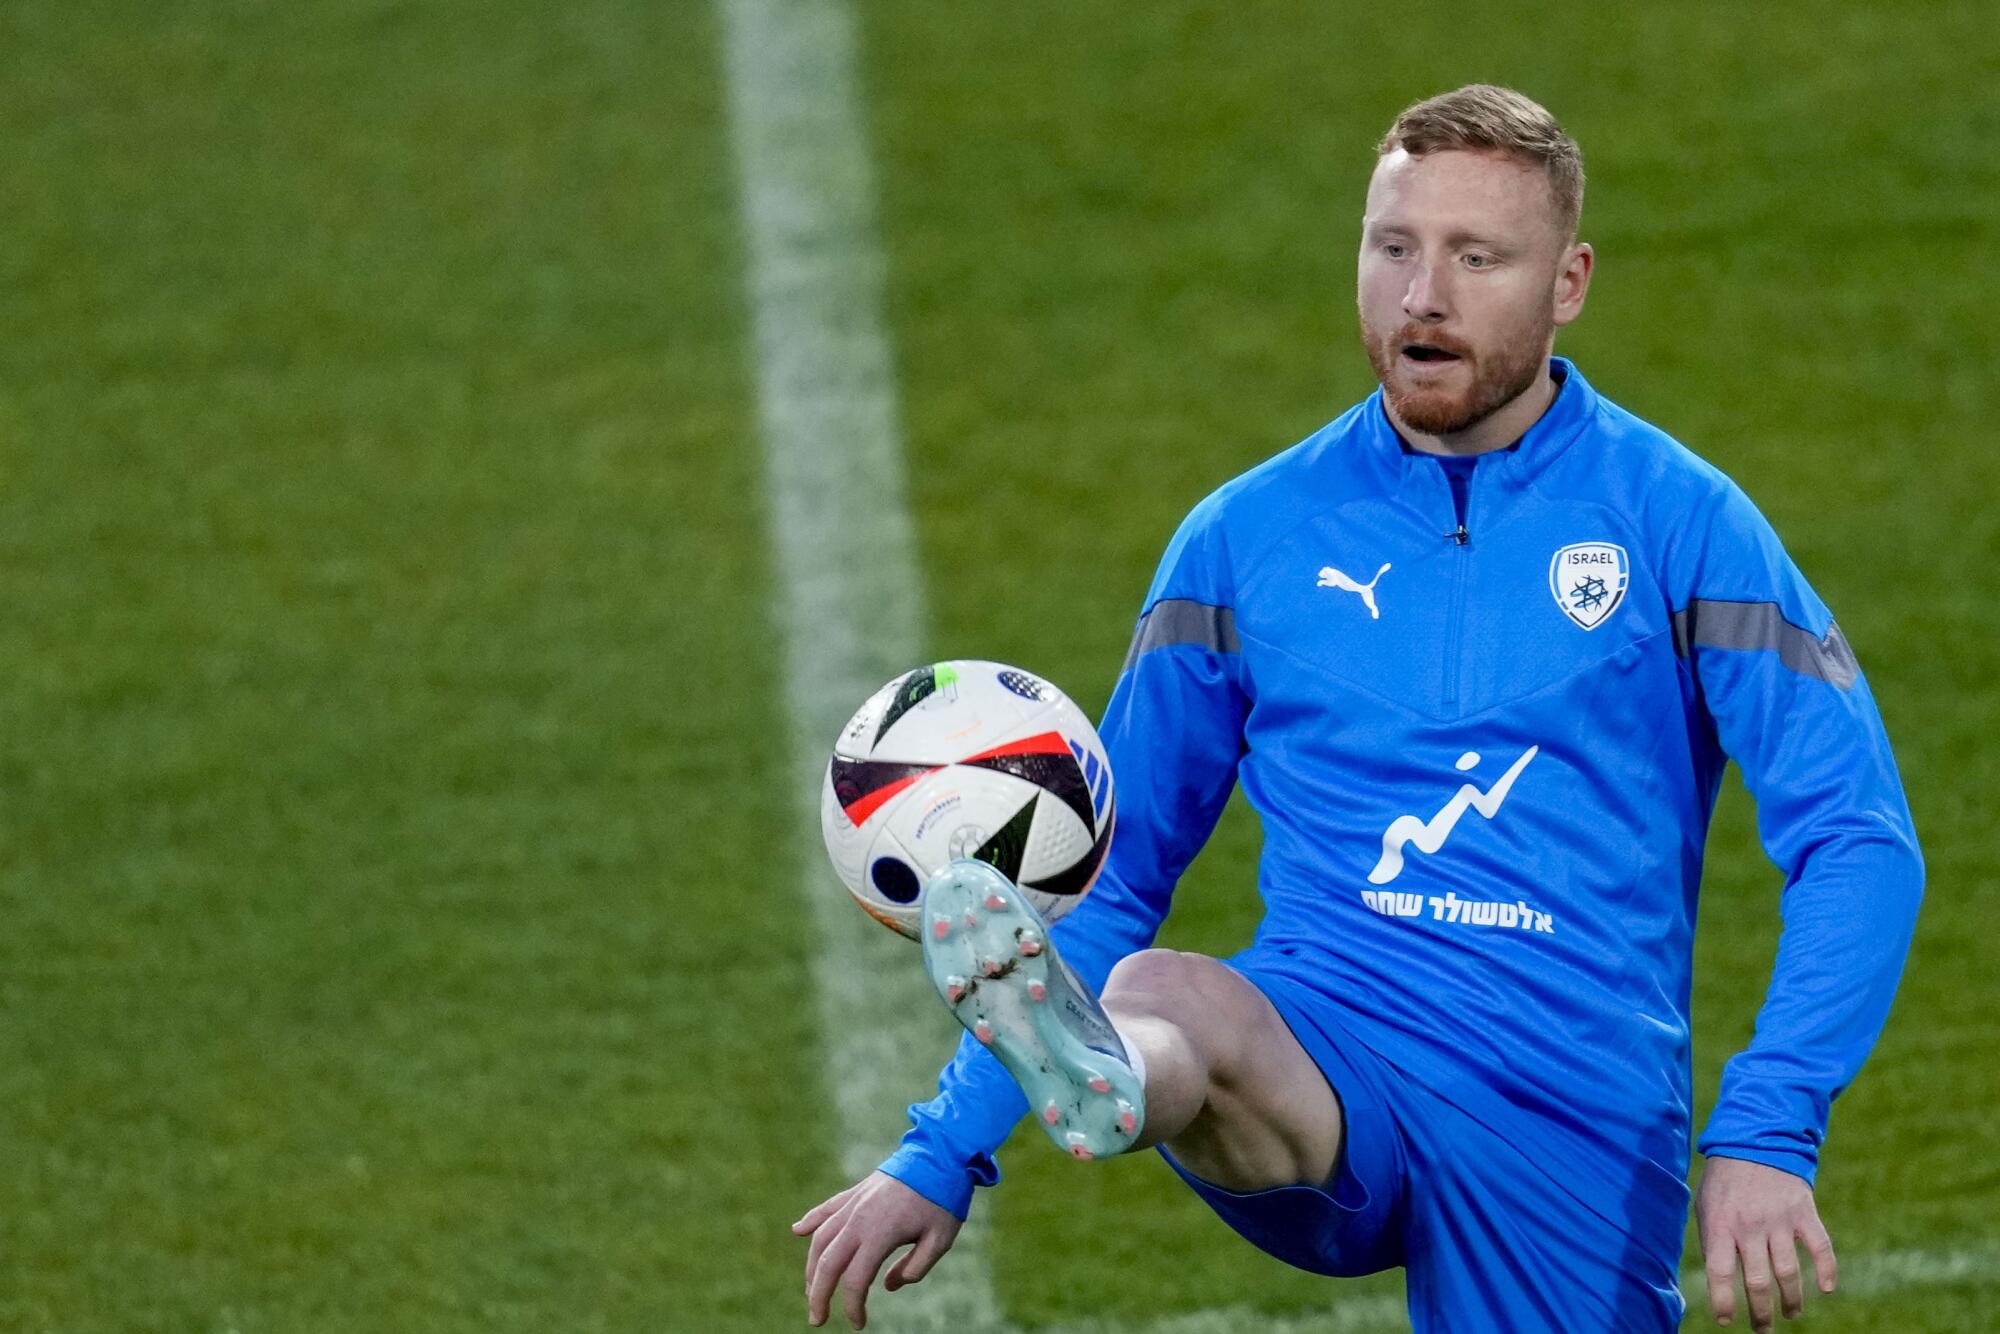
{"points": [[848, 596], [1879, 1275]]}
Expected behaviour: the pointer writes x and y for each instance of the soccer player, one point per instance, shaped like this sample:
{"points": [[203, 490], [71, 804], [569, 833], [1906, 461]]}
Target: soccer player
{"points": [[1477, 651]]}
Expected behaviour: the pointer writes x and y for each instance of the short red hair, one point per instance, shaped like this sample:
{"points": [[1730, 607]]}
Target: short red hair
{"points": [[1485, 116]]}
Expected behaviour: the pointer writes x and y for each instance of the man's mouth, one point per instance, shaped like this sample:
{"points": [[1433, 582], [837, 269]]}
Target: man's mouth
{"points": [[1427, 353]]}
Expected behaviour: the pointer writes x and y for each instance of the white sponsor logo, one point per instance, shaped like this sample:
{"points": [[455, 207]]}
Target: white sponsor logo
{"points": [[1515, 916], [1588, 580], [1332, 578], [1429, 835]]}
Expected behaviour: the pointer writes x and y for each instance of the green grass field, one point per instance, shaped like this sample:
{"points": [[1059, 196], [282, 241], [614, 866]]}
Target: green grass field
{"points": [[399, 929]]}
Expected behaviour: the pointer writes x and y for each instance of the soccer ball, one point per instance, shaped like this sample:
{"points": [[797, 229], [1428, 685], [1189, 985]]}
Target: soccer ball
{"points": [[966, 759]]}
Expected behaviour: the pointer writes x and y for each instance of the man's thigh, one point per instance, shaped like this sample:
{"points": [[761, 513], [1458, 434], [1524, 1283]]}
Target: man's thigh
{"points": [[1267, 1115], [1346, 1218]]}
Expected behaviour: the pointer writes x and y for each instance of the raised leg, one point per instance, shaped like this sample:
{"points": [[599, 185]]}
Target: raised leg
{"points": [[1183, 1051], [1229, 1090]]}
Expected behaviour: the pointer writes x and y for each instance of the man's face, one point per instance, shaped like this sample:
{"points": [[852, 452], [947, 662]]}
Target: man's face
{"points": [[1463, 277]]}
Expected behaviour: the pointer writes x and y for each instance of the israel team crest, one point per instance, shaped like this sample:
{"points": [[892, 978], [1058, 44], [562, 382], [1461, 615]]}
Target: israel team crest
{"points": [[1588, 580]]}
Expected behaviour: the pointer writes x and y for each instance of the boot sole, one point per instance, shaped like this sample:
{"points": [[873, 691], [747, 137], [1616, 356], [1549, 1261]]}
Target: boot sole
{"points": [[987, 953]]}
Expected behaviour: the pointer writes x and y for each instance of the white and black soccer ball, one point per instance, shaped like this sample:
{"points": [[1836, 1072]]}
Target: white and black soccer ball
{"points": [[967, 759]]}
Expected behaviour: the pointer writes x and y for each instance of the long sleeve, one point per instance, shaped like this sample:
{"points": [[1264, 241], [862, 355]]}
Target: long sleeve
{"points": [[1790, 706], [1173, 732]]}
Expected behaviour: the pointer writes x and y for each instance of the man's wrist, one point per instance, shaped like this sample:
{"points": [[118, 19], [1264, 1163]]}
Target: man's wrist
{"points": [[946, 1184], [1798, 1162]]}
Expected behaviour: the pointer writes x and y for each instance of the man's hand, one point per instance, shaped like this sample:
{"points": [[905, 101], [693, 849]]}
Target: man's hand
{"points": [[856, 1230], [1759, 1214]]}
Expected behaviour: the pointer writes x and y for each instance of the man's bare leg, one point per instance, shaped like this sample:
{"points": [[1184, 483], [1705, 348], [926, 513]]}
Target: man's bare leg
{"points": [[1181, 1050], [1229, 1090]]}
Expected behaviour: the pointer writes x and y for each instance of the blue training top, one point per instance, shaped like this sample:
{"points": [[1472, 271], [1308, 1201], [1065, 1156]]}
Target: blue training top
{"points": [[1485, 755]]}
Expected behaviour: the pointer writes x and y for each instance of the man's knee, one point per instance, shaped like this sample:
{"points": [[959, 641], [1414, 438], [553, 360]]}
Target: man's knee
{"points": [[1203, 997], [1148, 970], [1169, 982]]}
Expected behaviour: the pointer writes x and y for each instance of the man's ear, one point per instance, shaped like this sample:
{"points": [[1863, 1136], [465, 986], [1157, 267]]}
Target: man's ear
{"points": [[1573, 281]]}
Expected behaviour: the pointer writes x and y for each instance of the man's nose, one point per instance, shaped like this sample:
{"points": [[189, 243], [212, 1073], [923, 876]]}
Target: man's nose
{"points": [[1424, 299]]}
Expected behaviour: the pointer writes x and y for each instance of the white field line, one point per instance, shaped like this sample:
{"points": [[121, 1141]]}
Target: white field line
{"points": [[1882, 1273], [849, 601]]}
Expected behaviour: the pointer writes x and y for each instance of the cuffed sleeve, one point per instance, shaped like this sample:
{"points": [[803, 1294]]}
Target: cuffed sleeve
{"points": [[1789, 704]]}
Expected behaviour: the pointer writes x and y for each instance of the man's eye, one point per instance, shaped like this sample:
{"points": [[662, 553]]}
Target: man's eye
{"points": [[1394, 251], [1477, 262]]}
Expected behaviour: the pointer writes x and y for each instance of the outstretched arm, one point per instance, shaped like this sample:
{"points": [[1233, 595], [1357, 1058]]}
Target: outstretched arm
{"points": [[1789, 704]]}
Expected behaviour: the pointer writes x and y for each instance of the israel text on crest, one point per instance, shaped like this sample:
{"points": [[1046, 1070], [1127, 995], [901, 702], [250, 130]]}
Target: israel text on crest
{"points": [[1588, 580]]}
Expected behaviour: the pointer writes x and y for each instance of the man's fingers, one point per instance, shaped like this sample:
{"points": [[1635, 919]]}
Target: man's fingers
{"points": [[856, 1231], [1813, 1233], [854, 1284], [917, 1261], [1719, 1262], [1756, 1255], [1785, 1273], [822, 1237], [822, 1277], [820, 1212]]}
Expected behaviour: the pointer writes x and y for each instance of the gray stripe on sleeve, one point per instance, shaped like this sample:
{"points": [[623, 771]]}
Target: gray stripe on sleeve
{"points": [[1184, 621], [1753, 625]]}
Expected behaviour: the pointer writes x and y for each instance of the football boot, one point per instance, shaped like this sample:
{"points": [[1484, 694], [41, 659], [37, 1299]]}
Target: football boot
{"points": [[988, 954]]}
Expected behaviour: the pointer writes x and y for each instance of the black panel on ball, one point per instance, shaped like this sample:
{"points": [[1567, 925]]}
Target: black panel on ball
{"points": [[854, 780], [1006, 849], [911, 691], [1058, 774]]}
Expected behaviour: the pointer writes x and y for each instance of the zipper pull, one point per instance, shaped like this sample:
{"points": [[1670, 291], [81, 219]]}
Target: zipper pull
{"points": [[1460, 536]]}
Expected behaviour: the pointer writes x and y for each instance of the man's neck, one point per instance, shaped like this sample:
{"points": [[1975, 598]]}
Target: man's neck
{"points": [[1497, 430]]}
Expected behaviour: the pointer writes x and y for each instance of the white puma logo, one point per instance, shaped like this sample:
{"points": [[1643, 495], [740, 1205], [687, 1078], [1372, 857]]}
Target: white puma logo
{"points": [[1429, 835], [1332, 578]]}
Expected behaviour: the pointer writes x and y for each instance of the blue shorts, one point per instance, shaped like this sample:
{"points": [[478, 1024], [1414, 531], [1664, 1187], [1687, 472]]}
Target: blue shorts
{"points": [[1491, 1241]]}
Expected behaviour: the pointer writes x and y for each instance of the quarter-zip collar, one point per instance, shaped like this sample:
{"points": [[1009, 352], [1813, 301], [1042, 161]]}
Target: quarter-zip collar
{"points": [[1573, 408]]}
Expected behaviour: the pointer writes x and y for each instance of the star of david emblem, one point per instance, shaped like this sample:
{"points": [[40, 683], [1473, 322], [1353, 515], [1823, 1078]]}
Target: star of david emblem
{"points": [[1588, 579]]}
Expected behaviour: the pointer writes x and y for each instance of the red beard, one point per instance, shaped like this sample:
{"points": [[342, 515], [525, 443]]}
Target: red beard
{"points": [[1496, 380]]}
